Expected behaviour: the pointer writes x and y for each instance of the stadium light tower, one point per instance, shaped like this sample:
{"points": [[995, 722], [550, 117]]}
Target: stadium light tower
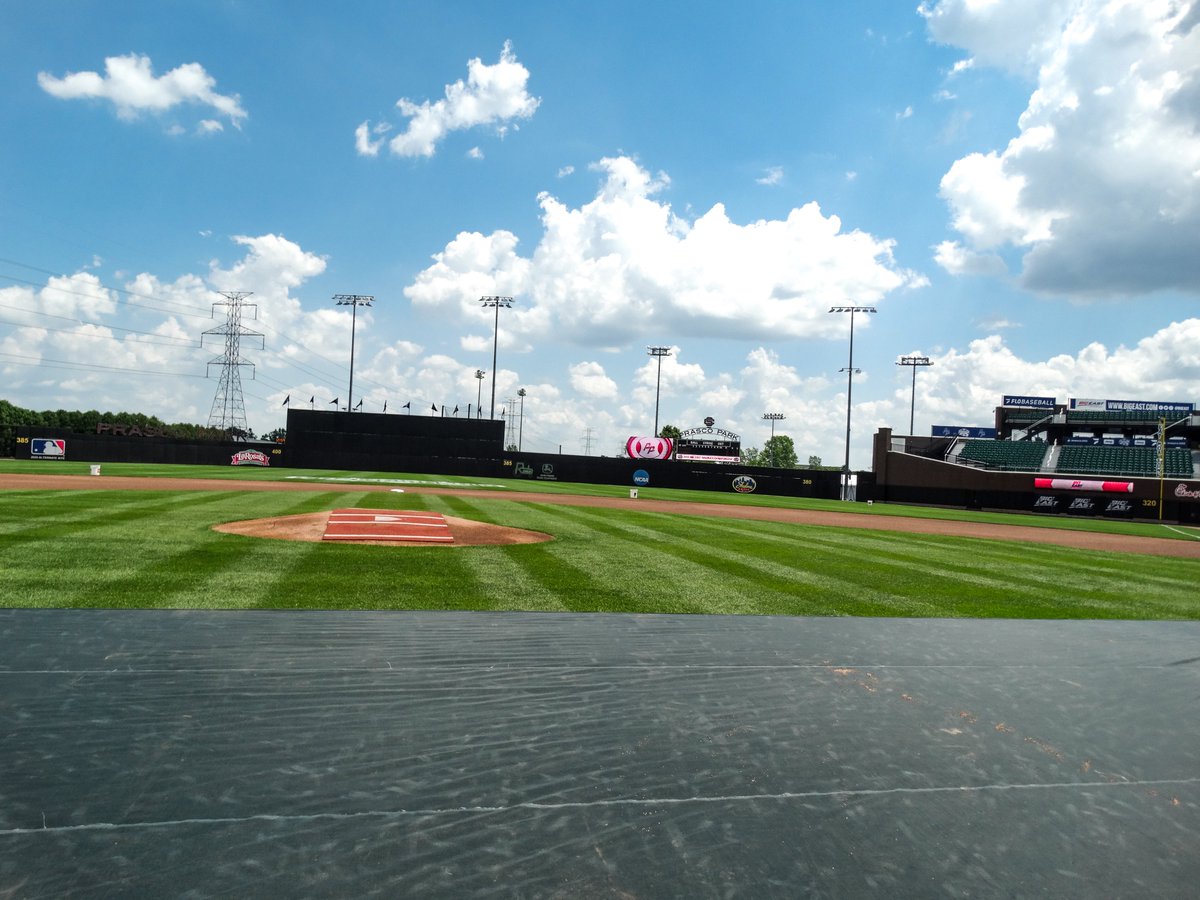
{"points": [[354, 301], [914, 362], [496, 303], [478, 389], [773, 418], [658, 352], [850, 373]]}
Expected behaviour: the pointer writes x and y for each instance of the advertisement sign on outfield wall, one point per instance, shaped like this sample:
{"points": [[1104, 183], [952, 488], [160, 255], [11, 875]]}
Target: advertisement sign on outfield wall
{"points": [[649, 448], [1079, 484], [47, 448]]}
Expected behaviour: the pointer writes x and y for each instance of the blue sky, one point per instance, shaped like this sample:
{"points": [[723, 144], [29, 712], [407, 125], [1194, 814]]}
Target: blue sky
{"points": [[1012, 185]]}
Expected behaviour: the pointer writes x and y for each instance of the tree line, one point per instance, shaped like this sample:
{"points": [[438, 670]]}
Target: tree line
{"points": [[85, 422]]}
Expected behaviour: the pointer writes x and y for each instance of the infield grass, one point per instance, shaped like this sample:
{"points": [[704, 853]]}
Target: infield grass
{"points": [[156, 549]]}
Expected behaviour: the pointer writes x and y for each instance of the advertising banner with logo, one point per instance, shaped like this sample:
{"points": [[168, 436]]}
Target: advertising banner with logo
{"points": [[649, 448], [1047, 503], [1075, 484], [250, 458], [47, 448], [963, 431], [744, 484], [1118, 508], [1187, 492], [1082, 506], [1078, 441], [1046, 403], [1181, 409]]}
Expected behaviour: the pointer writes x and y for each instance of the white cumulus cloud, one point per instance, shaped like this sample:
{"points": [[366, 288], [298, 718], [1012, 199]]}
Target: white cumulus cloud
{"points": [[492, 95], [130, 84], [1100, 187], [624, 265]]}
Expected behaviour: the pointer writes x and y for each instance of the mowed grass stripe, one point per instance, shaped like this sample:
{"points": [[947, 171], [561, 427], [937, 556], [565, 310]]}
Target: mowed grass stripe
{"points": [[709, 578], [977, 577], [33, 517], [109, 548]]}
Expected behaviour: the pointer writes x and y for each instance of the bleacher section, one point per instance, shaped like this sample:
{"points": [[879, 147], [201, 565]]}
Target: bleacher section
{"points": [[1013, 456], [1140, 461], [1140, 417]]}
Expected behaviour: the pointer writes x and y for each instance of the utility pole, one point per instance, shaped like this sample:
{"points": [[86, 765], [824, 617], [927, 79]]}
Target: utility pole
{"points": [[229, 407], [850, 373], [915, 362], [496, 303], [658, 352], [354, 301]]}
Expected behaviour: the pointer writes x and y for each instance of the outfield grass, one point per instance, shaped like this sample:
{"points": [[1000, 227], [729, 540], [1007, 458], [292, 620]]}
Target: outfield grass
{"points": [[103, 548]]}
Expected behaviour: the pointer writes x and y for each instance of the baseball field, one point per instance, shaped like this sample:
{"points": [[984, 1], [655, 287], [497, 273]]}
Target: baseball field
{"points": [[147, 537]]}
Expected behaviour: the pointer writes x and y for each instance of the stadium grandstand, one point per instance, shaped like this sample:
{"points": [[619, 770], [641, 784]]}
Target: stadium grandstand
{"points": [[1137, 444]]}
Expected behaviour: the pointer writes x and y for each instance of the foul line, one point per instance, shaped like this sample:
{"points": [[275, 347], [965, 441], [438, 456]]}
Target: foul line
{"points": [[592, 804], [1186, 534]]}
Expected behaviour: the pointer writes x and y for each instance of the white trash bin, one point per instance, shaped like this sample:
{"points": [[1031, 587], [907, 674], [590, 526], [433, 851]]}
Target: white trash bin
{"points": [[633, 493], [95, 470]]}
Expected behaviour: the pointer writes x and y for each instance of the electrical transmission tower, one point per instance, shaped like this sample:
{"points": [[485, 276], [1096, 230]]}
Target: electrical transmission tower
{"points": [[587, 439], [229, 409], [510, 426]]}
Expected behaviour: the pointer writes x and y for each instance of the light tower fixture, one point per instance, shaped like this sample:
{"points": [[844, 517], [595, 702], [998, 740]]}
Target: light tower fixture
{"points": [[659, 353], [495, 303], [354, 301], [850, 373], [773, 418], [479, 373], [914, 362]]}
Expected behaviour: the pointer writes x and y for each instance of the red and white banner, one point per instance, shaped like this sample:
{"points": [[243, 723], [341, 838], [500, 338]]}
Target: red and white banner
{"points": [[1074, 484], [649, 447]]}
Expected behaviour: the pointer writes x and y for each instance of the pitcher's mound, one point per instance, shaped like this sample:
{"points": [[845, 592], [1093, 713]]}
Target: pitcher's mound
{"points": [[312, 527]]}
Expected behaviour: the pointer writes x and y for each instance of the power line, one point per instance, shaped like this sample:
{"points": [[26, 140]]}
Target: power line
{"points": [[83, 367]]}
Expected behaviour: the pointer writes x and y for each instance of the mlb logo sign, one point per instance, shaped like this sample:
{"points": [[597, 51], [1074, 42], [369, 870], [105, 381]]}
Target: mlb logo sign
{"points": [[47, 448]]}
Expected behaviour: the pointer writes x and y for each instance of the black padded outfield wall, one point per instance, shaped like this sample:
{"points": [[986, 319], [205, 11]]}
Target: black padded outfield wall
{"points": [[55, 444], [640, 473], [374, 442]]}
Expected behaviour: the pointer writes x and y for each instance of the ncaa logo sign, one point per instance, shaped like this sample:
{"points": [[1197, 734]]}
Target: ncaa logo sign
{"points": [[641, 478]]}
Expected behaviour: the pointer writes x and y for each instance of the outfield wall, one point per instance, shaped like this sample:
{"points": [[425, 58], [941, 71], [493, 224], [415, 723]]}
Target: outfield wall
{"points": [[102, 448], [637, 473]]}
